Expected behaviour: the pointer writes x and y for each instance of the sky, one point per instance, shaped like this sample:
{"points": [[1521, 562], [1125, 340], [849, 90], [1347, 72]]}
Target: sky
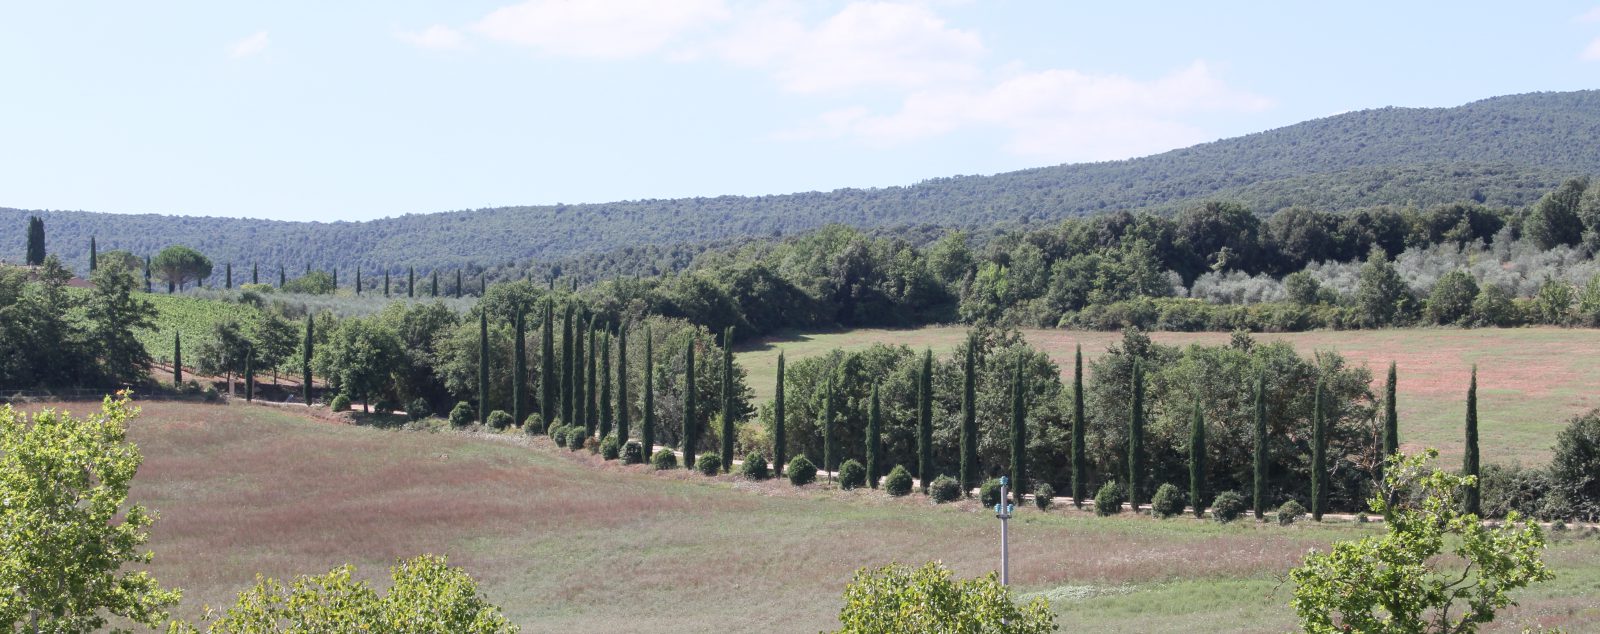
{"points": [[362, 109]]}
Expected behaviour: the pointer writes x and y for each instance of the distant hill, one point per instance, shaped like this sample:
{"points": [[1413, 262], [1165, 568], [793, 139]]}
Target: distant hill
{"points": [[1500, 151]]}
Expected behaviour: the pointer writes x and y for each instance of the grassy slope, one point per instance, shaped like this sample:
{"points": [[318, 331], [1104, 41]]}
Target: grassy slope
{"points": [[564, 543], [1530, 379]]}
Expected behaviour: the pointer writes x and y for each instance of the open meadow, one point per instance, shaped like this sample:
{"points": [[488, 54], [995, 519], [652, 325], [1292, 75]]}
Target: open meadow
{"points": [[1530, 380], [565, 542]]}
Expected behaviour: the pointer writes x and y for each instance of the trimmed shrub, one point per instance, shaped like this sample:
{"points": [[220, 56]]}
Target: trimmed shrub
{"points": [[385, 406], [558, 433], [989, 493], [898, 482], [664, 459], [591, 443], [418, 409], [801, 471], [461, 415], [339, 403], [1558, 526], [212, 396], [1043, 496], [1228, 506], [610, 448], [708, 464], [576, 435], [755, 467], [1290, 513], [499, 419], [852, 475], [1108, 500], [944, 489], [632, 453], [1167, 502], [1361, 518]]}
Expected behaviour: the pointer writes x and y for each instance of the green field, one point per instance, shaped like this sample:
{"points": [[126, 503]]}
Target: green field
{"points": [[565, 542], [1530, 379]]}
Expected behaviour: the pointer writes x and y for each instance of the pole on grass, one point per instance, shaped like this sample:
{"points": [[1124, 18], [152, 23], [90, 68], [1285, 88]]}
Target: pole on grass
{"points": [[1003, 512]]}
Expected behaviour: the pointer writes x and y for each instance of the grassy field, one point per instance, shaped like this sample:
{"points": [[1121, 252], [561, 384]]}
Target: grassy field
{"points": [[1530, 380], [565, 542]]}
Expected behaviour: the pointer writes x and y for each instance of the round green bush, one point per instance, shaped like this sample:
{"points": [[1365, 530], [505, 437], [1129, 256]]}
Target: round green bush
{"points": [[385, 406], [499, 419], [852, 475], [211, 394], [576, 436], [801, 471], [1558, 526], [898, 482], [754, 467], [461, 415], [1228, 506], [1043, 496], [418, 409], [610, 448], [664, 459], [1361, 518], [708, 464], [1168, 501], [1108, 500], [944, 489], [632, 453], [989, 493], [1290, 513], [339, 403], [558, 434]]}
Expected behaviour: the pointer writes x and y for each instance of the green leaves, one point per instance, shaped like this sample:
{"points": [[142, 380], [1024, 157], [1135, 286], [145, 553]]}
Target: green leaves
{"points": [[899, 598]]}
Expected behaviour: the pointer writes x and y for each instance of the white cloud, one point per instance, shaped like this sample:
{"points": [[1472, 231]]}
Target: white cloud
{"points": [[252, 45], [1592, 15], [1591, 53], [437, 37], [605, 29]]}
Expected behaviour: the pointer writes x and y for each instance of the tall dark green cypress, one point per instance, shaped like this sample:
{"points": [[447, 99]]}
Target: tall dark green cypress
{"points": [[483, 365], [727, 400], [605, 385], [623, 404], [969, 417], [779, 433], [874, 439], [1259, 481], [147, 274], [1319, 456], [249, 374], [458, 283], [691, 431], [1080, 459], [94, 259], [177, 360], [386, 282], [228, 280], [1391, 423], [35, 254], [647, 426], [483, 284], [591, 386], [519, 371], [1136, 437], [925, 421], [579, 401], [255, 273], [358, 281], [434, 287], [1469, 461], [566, 366], [283, 277], [827, 428], [336, 280], [305, 366], [1019, 435], [411, 281], [1197, 462], [547, 367]]}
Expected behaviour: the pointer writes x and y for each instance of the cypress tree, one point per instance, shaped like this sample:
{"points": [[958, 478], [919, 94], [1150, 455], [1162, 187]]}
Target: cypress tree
{"points": [[691, 433], [458, 283], [411, 281], [1260, 461], [623, 404], [727, 400], [35, 255], [827, 429], [305, 356], [925, 421], [647, 431], [283, 277], [779, 434], [434, 287], [605, 385], [969, 417], [1469, 461], [519, 371], [566, 367], [386, 282], [308, 269], [874, 439], [547, 367], [1319, 458], [1391, 423], [1080, 460], [147, 274], [1136, 437], [1019, 436], [227, 276], [591, 408], [336, 280], [483, 366], [94, 261], [578, 400], [249, 375], [358, 281], [1197, 463], [255, 273], [177, 360]]}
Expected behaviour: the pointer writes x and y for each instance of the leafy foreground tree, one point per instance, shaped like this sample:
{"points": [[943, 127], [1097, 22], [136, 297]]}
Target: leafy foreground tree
{"points": [[68, 526], [899, 598], [1398, 583]]}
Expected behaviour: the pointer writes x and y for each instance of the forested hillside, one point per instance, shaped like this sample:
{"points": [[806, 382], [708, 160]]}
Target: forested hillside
{"points": [[1504, 151]]}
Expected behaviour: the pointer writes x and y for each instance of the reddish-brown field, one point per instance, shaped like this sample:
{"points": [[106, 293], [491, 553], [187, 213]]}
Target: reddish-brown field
{"points": [[568, 543]]}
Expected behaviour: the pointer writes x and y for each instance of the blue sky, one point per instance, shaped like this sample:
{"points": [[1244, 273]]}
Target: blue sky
{"points": [[364, 109]]}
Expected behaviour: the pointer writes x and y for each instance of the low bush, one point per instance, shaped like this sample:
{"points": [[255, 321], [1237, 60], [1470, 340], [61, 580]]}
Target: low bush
{"points": [[989, 493], [610, 448], [1167, 502], [558, 434], [591, 443], [499, 419], [418, 409], [212, 396], [852, 475], [801, 471], [708, 464], [898, 482], [1043, 496], [385, 406], [1361, 518], [1558, 526], [755, 467], [1290, 513], [461, 415], [339, 403], [1228, 507], [632, 453], [664, 459], [1108, 500], [944, 489], [576, 436]]}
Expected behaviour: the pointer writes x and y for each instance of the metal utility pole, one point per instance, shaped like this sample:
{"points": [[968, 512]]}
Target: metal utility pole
{"points": [[1003, 512]]}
